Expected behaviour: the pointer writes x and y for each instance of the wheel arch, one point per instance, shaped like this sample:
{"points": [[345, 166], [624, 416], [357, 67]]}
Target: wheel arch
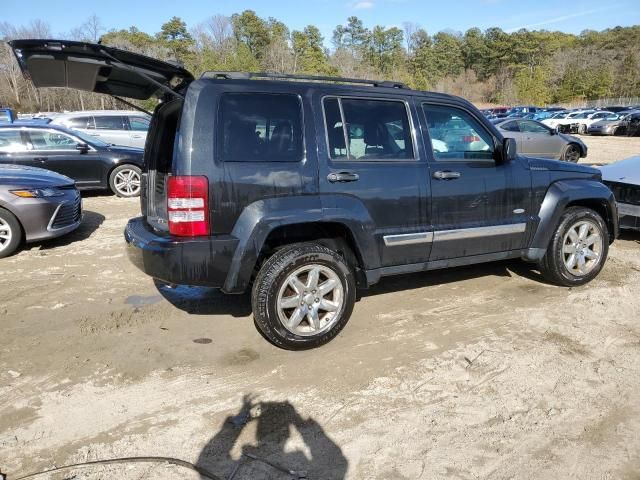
{"points": [[267, 224], [564, 194]]}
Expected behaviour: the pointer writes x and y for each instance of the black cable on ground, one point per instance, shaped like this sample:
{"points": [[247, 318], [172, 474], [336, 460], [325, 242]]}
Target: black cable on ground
{"points": [[173, 461]]}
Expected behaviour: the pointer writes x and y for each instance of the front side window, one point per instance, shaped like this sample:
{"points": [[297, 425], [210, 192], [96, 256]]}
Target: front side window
{"points": [[370, 130], [10, 141], [260, 127], [532, 127], [50, 140], [139, 124], [462, 135], [109, 122]]}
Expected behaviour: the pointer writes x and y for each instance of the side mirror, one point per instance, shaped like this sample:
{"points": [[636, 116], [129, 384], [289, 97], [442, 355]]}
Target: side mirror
{"points": [[508, 150], [83, 147], [553, 131]]}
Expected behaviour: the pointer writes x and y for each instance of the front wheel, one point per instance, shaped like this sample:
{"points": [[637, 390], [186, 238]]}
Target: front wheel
{"points": [[303, 296], [578, 248], [571, 153], [124, 181], [10, 233]]}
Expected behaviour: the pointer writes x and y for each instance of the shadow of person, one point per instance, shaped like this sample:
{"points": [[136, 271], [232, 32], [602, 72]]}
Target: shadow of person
{"points": [[276, 452]]}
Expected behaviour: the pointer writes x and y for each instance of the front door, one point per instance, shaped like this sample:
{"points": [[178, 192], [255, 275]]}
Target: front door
{"points": [[479, 206], [539, 140], [369, 164], [57, 151]]}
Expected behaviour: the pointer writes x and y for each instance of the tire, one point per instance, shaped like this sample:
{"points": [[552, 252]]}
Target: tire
{"points": [[10, 233], [556, 265], [571, 153], [277, 306], [124, 181]]}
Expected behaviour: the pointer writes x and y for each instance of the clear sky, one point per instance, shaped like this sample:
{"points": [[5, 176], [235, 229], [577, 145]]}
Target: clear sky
{"points": [[147, 15]]}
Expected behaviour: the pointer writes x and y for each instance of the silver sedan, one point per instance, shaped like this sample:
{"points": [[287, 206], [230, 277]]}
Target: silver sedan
{"points": [[35, 205], [535, 139]]}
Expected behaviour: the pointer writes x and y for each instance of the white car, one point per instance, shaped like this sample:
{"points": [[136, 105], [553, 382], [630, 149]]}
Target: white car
{"points": [[126, 128], [566, 118], [585, 123]]}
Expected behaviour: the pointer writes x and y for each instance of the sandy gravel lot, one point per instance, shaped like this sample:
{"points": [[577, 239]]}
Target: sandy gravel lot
{"points": [[483, 372]]}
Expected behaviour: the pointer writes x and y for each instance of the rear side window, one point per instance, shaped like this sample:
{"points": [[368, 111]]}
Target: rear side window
{"points": [[370, 129], [532, 127], [510, 127], [111, 122], [10, 141], [79, 122], [260, 127]]}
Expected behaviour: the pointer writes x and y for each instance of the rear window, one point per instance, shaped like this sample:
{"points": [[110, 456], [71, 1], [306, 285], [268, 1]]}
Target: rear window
{"points": [[260, 127], [111, 122]]}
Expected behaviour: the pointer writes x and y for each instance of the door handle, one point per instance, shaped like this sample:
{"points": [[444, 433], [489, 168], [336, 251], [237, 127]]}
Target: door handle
{"points": [[136, 136], [40, 159], [343, 177], [446, 175]]}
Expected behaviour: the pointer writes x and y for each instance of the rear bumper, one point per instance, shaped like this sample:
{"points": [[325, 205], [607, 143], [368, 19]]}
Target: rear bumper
{"points": [[200, 261]]}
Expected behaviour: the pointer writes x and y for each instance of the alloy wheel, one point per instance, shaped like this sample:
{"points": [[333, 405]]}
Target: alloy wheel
{"points": [[5, 234], [310, 300], [127, 182], [582, 248]]}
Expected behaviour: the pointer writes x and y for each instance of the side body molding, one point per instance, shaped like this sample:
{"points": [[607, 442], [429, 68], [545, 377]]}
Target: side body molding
{"points": [[260, 218], [559, 196]]}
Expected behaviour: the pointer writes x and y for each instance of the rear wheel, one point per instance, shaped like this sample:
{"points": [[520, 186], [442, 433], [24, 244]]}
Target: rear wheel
{"points": [[10, 233], [124, 181], [571, 153], [578, 249], [303, 296]]}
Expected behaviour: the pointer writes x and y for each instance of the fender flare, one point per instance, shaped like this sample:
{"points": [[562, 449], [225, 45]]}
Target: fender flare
{"points": [[562, 194], [260, 218]]}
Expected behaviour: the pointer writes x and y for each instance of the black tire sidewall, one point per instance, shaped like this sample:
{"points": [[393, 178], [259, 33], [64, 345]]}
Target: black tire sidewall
{"points": [[557, 268], [568, 148], [112, 179], [16, 233], [270, 279]]}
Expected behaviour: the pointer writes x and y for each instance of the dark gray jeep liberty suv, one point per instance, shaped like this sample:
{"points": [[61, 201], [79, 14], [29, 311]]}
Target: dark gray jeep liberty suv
{"points": [[306, 188]]}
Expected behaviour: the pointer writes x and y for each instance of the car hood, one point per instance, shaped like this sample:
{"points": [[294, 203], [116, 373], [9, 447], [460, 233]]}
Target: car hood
{"points": [[623, 171], [561, 166], [98, 68], [25, 176]]}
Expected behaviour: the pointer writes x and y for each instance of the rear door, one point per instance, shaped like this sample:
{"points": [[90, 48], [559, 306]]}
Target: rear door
{"points": [[512, 130], [57, 151], [479, 206], [13, 147], [98, 68], [111, 129], [369, 157]]}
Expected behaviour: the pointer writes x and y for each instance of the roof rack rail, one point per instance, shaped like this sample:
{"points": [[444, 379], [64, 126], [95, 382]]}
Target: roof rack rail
{"points": [[289, 76]]}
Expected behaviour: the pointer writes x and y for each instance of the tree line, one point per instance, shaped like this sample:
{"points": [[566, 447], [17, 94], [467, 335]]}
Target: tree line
{"points": [[491, 66]]}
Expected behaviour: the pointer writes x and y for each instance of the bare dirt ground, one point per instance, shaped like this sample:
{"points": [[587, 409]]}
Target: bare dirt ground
{"points": [[609, 149], [480, 372]]}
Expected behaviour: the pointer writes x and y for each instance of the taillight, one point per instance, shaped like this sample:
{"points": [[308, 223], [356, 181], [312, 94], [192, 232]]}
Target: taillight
{"points": [[188, 205]]}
